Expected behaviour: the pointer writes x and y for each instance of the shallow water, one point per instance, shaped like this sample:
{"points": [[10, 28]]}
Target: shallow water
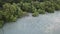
{"points": [[43, 24]]}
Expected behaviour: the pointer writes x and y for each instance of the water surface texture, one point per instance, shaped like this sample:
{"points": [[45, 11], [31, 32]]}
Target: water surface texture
{"points": [[43, 24]]}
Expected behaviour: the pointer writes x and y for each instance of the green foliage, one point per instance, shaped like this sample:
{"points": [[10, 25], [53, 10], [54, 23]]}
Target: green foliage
{"points": [[33, 9], [10, 13], [35, 14], [19, 12], [49, 7], [41, 11], [1, 23], [42, 5], [13, 18], [36, 4], [50, 10], [57, 7], [26, 7], [11, 10]]}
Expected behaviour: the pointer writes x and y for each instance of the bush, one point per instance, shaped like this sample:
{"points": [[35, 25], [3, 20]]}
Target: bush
{"points": [[41, 11], [1, 23], [36, 4], [57, 7], [35, 14], [50, 10], [12, 9], [13, 18], [33, 9], [26, 7], [19, 12], [42, 5]]}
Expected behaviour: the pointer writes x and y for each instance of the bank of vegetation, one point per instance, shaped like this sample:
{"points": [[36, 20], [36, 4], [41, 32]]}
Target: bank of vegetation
{"points": [[11, 10]]}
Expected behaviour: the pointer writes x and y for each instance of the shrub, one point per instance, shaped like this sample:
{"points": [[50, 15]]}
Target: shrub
{"points": [[42, 5], [13, 18], [36, 4], [33, 9], [57, 7], [50, 10], [26, 7], [41, 11], [1, 23], [19, 12], [35, 14]]}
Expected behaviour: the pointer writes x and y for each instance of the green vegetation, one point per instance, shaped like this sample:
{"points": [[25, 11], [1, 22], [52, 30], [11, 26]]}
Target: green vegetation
{"points": [[1, 23], [41, 11], [35, 14], [11, 10]]}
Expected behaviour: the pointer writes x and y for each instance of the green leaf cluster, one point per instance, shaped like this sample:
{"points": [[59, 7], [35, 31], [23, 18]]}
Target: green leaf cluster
{"points": [[11, 10]]}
